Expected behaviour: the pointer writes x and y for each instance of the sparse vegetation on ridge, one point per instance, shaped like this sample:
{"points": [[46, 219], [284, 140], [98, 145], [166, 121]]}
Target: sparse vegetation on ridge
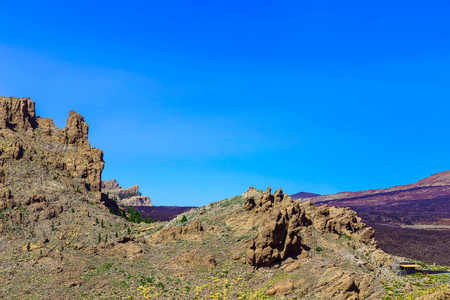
{"points": [[58, 242]]}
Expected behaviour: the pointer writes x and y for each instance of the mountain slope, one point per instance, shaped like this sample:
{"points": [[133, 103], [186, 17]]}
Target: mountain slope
{"points": [[303, 195], [424, 202], [60, 237], [407, 218]]}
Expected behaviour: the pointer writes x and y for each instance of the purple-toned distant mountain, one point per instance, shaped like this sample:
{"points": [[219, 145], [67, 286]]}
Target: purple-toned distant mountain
{"points": [[410, 220], [303, 195], [161, 213]]}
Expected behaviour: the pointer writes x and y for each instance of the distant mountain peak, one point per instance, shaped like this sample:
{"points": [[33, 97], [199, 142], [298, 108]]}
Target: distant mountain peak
{"points": [[125, 197], [303, 195], [442, 178]]}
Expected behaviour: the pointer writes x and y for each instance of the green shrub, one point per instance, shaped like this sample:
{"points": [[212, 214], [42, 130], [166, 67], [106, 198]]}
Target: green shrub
{"points": [[160, 284], [133, 215], [345, 237], [147, 220], [183, 219], [318, 249]]}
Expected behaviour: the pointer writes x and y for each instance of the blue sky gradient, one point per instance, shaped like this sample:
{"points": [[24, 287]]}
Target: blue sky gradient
{"points": [[196, 101]]}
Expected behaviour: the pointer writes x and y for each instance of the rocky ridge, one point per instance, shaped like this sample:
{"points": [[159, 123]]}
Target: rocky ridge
{"points": [[428, 188], [405, 216], [125, 197], [275, 232], [65, 150], [59, 239]]}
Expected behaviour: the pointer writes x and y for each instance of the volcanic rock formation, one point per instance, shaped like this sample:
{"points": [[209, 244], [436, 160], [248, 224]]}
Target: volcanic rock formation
{"points": [[125, 197], [285, 219], [279, 238], [17, 113], [58, 241], [38, 140], [404, 216]]}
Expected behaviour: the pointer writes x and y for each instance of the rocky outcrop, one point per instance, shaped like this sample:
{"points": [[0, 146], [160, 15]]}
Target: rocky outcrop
{"points": [[125, 197], [76, 131], [17, 113], [111, 184], [138, 201], [192, 232], [345, 221], [338, 284], [87, 164], [193, 259], [253, 193], [284, 220], [37, 139], [124, 249], [279, 238], [6, 200]]}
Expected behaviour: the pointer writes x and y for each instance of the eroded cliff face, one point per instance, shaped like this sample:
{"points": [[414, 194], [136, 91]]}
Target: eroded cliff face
{"points": [[280, 237], [17, 113], [322, 252], [125, 197], [29, 140], [285, 220]]}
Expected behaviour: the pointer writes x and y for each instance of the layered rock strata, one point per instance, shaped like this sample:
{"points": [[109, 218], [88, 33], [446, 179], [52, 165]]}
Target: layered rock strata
{"points": [[38, 140], [17, 113], [125, 197]]}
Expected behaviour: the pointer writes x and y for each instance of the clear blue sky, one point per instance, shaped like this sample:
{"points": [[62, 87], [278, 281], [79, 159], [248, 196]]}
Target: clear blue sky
{"points": [[197, 100]]}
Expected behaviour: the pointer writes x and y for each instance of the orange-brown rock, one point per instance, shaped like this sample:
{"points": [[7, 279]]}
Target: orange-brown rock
{"points": [[76, 131], [6, 200], [88, 164], [126, 249], [339, 221], [281, 288], [17, 150], [280, 236], [191, 232], [66, 150], [17, 113], [194, 258], [45, 122], [345, 285]]}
